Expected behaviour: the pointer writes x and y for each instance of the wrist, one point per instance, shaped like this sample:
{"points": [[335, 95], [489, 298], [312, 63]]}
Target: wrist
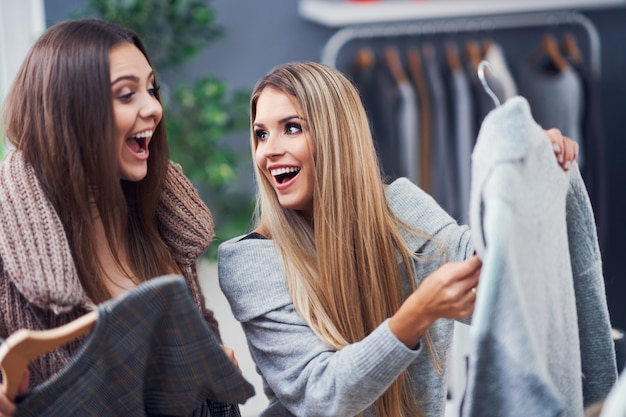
{"points": [[409, 326]]}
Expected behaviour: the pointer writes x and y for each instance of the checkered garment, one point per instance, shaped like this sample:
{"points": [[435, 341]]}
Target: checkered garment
{"points": [[150, 353]]}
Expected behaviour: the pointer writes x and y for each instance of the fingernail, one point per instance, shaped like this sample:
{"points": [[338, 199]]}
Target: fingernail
{"points": [[560, 158], [567, 165], [556, 148]]}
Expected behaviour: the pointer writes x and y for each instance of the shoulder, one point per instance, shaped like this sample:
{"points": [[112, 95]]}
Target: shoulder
{"points": [[416, 208], [186, 223], [250, 272]]}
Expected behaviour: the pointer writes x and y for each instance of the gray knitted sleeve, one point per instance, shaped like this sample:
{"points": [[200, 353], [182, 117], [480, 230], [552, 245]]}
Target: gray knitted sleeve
{"points": [[303, 375]]}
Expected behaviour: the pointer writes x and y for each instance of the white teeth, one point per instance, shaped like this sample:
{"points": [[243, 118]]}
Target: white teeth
{"points": [[143, 135], [280, 171]]}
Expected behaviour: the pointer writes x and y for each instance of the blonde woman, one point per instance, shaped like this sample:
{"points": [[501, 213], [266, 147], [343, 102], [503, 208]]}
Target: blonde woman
{"points": [[347, 288]]}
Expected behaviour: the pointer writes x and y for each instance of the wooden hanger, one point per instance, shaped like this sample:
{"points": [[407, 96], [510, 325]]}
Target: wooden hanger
{"points": [[571, 48], [364, 58], [474, 54], [452, 56], [415, 62], [550, 48], [395, 64], [21, 347]]}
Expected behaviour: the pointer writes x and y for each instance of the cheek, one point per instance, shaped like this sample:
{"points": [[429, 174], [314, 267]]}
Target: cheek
{"points": [[159, 113], [121, 120], [259, 160]]}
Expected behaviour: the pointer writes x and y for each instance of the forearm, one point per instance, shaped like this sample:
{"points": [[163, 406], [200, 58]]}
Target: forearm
{"points": [[310, 378]]}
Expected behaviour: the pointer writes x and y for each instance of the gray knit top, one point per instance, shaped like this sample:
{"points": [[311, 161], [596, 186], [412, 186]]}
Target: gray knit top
{"points": [[302, 375], [39, 284]]}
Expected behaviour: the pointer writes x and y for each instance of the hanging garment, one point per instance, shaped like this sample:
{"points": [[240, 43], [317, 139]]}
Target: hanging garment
{"points": [[150, 353], [462, 118], [594, 143], [420, 85], [407, 117], [444, 188], [555, 98], [382, 101], [541, 337]]}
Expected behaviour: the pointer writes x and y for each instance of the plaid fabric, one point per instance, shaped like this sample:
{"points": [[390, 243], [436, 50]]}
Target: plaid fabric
{"points": [[150, 354]]}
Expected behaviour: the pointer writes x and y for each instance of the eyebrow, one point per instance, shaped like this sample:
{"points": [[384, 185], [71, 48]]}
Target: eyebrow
{"points": [[284, 120], [133, 78]]}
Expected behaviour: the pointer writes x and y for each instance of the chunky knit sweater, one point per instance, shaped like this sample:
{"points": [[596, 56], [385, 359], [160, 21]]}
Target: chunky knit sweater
{"points": [[39, 284]]}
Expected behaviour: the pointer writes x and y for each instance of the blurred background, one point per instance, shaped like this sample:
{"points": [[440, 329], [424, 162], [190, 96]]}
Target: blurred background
{"points": [[209, 54]]}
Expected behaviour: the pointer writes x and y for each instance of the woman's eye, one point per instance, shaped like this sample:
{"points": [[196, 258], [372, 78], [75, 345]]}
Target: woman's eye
{"points": [[261, 134], [154, 90], [293, 128], [127, 96]]}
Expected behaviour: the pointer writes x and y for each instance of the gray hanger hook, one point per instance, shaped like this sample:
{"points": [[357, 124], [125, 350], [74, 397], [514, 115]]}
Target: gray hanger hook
{"points": [[481, 75]]}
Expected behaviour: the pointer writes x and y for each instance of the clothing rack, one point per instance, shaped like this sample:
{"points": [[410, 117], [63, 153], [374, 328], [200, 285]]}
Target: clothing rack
{"points": [[343, 36]]}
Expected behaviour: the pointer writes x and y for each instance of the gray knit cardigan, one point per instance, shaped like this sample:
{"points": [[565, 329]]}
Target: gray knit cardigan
{"points": [[39, 284]]}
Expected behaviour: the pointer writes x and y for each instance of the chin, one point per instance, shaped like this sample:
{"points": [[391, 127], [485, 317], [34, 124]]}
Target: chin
{"points": [[133, 176]]}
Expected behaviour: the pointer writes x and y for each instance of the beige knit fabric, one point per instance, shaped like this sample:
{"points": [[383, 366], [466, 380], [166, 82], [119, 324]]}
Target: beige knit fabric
{"points": [[39, 285]]}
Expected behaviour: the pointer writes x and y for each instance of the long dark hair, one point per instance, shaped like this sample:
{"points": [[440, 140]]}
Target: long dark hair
{"points": [[59, 114]]}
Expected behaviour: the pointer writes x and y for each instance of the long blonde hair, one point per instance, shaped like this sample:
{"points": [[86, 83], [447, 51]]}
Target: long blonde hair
{"points": [[350, 251]]}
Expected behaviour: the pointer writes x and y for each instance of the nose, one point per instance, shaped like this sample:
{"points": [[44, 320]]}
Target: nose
{"points": [[272, 147], [151, 108]]}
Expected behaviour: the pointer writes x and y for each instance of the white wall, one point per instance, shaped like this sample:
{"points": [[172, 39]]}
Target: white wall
{"points": [[21, 22]]}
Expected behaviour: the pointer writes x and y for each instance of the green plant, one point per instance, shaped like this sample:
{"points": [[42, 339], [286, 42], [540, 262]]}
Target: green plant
{"points": [[199, 115]]}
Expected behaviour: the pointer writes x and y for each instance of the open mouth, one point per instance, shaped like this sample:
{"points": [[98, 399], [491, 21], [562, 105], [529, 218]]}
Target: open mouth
{"points": [[285, 174], [139, 142]]}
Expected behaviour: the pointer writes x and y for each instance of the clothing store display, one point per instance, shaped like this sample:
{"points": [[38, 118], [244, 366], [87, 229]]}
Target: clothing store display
{"points": [[541, 336], [150, 353], [302, 375], [37, 273]]}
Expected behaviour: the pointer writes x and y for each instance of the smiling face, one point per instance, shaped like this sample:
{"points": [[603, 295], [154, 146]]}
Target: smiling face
{"points": [[136, 110], [284, 150]]}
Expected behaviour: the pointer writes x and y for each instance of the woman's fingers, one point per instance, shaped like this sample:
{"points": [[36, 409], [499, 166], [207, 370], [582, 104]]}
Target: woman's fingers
{"points": [[565, 149]]}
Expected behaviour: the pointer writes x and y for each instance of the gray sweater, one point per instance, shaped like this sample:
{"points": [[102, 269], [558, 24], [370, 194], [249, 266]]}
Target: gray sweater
{"points": [[302, 375]]}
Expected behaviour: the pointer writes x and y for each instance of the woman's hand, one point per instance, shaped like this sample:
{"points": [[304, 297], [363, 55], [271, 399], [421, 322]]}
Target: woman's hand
{"points": [[7, 407], [565, 149], [449, 292]]}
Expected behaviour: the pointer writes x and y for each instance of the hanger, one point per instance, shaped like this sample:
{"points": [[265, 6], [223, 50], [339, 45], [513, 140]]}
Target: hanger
{"points": [[415, 62], [571, 48], [394, 63], [452, 56], [21, 347], [474, 53], [481, 76], [549, 48], [364, 58]]}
